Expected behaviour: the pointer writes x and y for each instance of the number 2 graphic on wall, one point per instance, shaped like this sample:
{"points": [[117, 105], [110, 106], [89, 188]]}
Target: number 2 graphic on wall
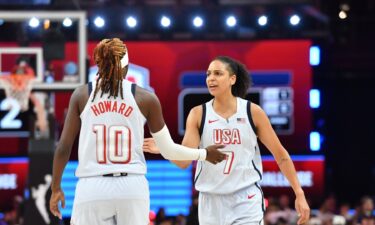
{"points": [[118, 142], [9, 121]]}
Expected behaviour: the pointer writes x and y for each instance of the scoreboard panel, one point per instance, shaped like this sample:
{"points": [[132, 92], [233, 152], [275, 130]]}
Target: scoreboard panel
{"points": [[271, 90]]}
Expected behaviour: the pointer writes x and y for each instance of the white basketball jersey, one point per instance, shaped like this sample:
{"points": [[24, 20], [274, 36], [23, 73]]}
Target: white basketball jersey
{"points": [[111, 136], [243, 166]]}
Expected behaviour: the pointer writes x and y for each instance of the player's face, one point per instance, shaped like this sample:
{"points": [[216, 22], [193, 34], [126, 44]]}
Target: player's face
{"points": [[219, 80]]}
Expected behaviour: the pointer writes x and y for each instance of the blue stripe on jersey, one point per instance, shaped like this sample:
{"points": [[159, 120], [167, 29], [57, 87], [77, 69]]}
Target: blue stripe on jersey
{"points": [[248, 110], [90, 87], [260, 189], [252, 161], [203, 120], [133, 89], [199, 173], [260, 175]]}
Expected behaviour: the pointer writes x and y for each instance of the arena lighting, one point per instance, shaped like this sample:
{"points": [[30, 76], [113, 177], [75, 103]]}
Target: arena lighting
{"points": [[131, 22], [34, 22], [314, 98], [99, 22], [314, 56], [165, 21], [1, 22], [231, 21], [67, 22], [198, 21], [294, 20], [46, 24], [315, 141], [262, 20], [343, 15]]}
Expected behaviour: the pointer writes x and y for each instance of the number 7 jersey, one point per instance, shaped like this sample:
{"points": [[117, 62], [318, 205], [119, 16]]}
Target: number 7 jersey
{"points": [[111, 136], [242, 167]]}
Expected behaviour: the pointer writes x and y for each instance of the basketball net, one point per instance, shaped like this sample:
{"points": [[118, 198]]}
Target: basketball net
{"points": [[18, 87]]}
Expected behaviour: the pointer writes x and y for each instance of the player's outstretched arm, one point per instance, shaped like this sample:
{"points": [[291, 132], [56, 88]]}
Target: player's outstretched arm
{"points": [[191, 137], [71, 127], [169, 150], [269, 138]]}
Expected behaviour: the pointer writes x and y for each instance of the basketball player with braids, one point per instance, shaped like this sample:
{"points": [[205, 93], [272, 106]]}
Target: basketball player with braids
{"points": [[110, 114], [230, 191]]}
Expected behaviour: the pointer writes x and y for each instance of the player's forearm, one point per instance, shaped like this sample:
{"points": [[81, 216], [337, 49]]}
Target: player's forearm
{"points": [[172, 151], [286, 166], [182, 163], [60, 160]]}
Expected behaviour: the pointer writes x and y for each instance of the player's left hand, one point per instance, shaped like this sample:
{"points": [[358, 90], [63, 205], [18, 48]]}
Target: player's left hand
{"points": [[56, 197], [302, 208], [149, 146]]}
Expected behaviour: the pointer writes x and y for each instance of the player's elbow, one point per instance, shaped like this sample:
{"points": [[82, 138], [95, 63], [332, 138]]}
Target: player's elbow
{"points": [[167, 153], [182, 164], [62, 150]]}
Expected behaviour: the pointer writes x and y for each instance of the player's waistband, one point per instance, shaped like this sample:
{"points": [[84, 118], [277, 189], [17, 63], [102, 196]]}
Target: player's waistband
{"points": [[115, 175]]}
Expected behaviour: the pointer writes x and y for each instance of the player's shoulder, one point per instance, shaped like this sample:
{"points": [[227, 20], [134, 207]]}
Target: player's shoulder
{"points": [[255, 109], [79, 97], [195, 115], [146, 100], [197, 110], [258, 115], [80, 91], [142, 94]]}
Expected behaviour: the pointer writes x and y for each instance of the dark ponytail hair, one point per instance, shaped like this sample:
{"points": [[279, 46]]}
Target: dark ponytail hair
{"points": [[243, 81]]}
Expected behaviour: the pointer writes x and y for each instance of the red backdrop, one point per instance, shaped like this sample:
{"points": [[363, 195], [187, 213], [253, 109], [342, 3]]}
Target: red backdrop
{"points": [[167, 60]]}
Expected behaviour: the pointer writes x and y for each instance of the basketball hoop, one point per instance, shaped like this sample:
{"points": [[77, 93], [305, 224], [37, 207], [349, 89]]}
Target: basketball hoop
{"points": [[18, 87]]}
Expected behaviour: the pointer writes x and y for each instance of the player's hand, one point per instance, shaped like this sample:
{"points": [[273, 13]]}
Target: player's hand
{"points": [[42, 124], [56, 197], [214, 156], [302, 209], [149, 146]]}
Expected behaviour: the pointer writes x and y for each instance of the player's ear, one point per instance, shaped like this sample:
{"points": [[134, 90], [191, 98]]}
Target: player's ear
{"points": [[233, 79]]}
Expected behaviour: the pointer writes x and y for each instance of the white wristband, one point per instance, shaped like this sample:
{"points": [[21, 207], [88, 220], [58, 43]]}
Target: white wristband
{"points": [[202, 155]]}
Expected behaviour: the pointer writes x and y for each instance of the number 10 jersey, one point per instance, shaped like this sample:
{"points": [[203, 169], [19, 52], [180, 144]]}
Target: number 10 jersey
{"points": [[111, 136]]}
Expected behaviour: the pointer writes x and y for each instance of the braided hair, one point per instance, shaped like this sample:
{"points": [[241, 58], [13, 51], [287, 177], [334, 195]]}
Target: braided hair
{"points": [[107, 55], [243, 80]]}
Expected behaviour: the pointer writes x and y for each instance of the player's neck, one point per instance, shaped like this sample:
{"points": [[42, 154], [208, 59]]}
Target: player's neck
{"points": [[225, 103]]}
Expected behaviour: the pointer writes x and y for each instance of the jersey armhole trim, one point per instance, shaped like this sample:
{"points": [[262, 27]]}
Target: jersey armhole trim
{"points": [[133, 89], [90, 88], [199, 173], [202, 120], [248, 110]]}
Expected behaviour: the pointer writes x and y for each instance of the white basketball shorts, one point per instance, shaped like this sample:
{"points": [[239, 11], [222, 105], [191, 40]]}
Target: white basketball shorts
{"points": [[244, 207], [111, 201]]}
